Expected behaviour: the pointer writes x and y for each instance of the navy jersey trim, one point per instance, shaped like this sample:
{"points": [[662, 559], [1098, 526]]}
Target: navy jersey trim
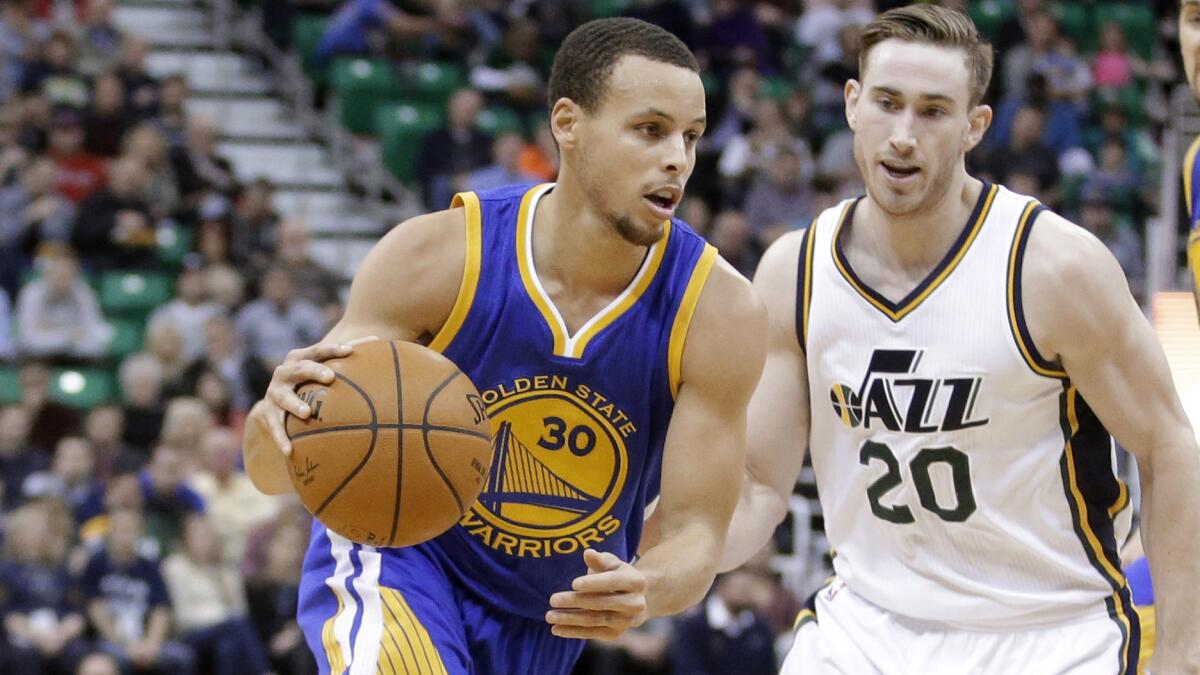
{"points": [[1016, 307], [804, 285], [898, 310]]}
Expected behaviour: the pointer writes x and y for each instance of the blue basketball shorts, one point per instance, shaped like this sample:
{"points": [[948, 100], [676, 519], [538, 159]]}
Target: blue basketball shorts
{"points": [[366, 610]]}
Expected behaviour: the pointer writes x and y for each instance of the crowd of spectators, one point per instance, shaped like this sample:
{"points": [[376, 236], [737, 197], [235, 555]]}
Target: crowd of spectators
{"points": [[132, 540]]}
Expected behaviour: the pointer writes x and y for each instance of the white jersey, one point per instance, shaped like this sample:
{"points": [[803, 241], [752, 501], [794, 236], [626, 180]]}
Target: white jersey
{"points": [[962, 478]]}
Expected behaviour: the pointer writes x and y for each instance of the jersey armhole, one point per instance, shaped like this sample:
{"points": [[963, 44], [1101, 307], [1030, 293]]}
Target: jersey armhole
{"points": [[804, 286], [1016, 311], [1189, 177], [683, 316], [470, 279]]}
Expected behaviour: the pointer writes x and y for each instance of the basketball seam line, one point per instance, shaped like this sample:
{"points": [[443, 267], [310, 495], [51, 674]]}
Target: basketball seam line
{"points": [[399, 443], [373, 426], [425, 438], [385, 426]]}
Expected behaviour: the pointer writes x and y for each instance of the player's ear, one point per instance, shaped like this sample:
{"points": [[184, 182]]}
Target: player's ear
{"points": [[564, 122], [978, 121], [852, 91]]}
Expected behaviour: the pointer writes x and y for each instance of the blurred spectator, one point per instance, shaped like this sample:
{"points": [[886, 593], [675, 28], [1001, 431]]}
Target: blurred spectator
{"points": [[758, 148], [731, 235], [199, 168], [80, 173], [35, 117], [141, 89], [225, 356], [54, 75], [128, 603], [13, 156], [164, 342], [1096, 215], [209, 598], [32, 211], [141, 380], [122, 492], [229, 495], [279, 320], [190, 311], [217, 395], [1114, 63], [820, 22], [272, 597], [114, 229], [1024, 152], [70, 478], [51, 420], [20, 34], [1113, 176], [449, 154], [540, 158], [505, 168], [99, 38], [1063, 119], [225, 285], [733, 38], [167, 498], [172, 117], [186, 423], [107, 118], [18, 458], [736, 114], [674, 16], [98, 663], [58, 316], [513, 71], [42, 617], [255, 225], [311, 280], [1021, 61], [104, 428], [8, 347], [725, 634], [146, 144], [638, 651], [780, 197], [360, 26]]}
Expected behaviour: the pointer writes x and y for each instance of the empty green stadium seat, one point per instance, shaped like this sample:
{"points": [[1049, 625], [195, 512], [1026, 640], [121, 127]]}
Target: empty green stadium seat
{"points": [[1073, 23], [307, 30], [126, 338], [606, 8], [776, 88], [133, 293], [498, 120], [432, 82], [10, 386], [82, 387], [361, 86], [400, 127], [990, 15], [1136, 18]]}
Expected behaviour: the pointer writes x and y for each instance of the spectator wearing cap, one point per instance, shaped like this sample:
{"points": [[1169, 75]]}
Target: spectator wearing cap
{"points": [[279, 321], [449, 154], [58, 316], [54, 76], [80, 173], [32, 212], [114, 228], [107, 118], [127, 602], [43, 617], [190, 310]]}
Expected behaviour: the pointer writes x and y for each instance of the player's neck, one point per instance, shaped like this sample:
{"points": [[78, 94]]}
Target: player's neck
{"points": [[918, 240], [575, 246]]}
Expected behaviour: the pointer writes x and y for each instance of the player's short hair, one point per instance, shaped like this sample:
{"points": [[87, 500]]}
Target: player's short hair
{"points": [[931, 24], [587, 57]]}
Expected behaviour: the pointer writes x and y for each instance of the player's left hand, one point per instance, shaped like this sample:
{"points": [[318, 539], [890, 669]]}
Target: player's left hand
{"points": [[607, 601]]}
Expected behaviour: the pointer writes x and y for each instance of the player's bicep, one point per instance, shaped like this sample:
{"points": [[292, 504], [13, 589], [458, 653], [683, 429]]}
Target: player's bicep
{"points": [[409, 281]]}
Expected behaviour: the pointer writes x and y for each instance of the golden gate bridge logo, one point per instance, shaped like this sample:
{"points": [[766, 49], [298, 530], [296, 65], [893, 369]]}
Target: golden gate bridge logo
{"points": [[519, 477]]}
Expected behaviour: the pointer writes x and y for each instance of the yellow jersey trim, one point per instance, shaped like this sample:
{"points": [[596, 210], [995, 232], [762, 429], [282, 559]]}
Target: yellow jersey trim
{"points": [[470, 279], [1189, 168], [806, 299], [333, 651], [683, 316], [930, 285], [1028, 351], [565, 344], [405, 646], [1113, 575]]}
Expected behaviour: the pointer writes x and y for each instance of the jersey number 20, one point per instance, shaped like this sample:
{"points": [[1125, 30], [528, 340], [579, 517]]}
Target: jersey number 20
{"points": [[960, 472]]}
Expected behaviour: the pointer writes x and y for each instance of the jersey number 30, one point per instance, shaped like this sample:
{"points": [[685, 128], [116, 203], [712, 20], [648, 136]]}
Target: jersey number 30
{"points": [[919, 467]]}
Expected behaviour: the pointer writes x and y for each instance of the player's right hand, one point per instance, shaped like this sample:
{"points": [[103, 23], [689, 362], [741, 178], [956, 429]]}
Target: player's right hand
{"points": [[300, 366]]}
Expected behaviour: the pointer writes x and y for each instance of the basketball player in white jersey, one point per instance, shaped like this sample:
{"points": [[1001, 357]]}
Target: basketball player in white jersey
{"points": [[955, 357]]}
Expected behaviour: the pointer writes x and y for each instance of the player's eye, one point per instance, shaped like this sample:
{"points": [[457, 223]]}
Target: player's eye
{"points": [[887, 104], [935, 112], [691, 137], [650, 130]]}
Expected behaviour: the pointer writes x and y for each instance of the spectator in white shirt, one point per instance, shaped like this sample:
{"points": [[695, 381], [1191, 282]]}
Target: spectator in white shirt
{"points": [[190, 311], [58, 315]]}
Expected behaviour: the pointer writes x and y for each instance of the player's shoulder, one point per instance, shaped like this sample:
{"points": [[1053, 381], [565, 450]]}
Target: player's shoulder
{"points": [[1063, 255]]}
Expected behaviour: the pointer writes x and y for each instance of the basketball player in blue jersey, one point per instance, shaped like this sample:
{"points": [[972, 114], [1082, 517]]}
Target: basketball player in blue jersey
{"points": [[615, 352], [954, 356]]}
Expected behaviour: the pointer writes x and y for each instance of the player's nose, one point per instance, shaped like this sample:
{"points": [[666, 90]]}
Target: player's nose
{"points": [[675, 155], [902, 139]]}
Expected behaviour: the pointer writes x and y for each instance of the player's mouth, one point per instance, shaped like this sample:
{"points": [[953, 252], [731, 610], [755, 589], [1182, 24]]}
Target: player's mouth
{"points": [[662, 202], [900, 173]]}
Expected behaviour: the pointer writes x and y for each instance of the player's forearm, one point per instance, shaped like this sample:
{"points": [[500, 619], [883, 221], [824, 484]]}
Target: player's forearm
{"points": [[760, 509], [1170, 484], [265, 463], [680, 569]]}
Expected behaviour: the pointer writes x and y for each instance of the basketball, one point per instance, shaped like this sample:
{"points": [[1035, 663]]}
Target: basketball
{"points": [[395, 450]]}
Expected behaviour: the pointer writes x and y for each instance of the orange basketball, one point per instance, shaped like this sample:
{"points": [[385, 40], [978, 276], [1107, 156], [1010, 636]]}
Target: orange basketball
{"points": [[397, 448]]}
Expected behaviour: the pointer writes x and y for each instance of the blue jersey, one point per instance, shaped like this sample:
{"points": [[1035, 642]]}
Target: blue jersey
{"points": [[1191, 183], [579, 420]]}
